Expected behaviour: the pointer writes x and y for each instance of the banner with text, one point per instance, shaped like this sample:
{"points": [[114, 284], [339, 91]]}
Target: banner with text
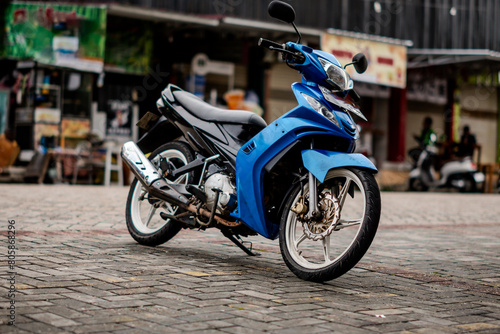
{"points": [[386, 62]]}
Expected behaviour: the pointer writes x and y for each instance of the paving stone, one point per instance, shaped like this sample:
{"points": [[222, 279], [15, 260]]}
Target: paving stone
{"points": [[53, 319], [39, 327], [98, 328], [433, 268], [478, 326]]}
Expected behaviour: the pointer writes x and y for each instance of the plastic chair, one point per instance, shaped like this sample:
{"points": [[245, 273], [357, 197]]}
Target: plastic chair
{"points": [[86, 159], [112, 150]]}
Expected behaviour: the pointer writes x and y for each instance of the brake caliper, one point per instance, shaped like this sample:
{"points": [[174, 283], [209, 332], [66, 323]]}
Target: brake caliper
{"points": [[300, 208]]}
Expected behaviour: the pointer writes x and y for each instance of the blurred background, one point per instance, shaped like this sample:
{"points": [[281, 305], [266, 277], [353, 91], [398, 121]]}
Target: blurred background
{"points": [[76, 77]]}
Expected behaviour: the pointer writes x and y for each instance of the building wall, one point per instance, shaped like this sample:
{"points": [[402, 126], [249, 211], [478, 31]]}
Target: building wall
{"points": [[479, 111], [381, 123], [486, 132], [279, 91]]}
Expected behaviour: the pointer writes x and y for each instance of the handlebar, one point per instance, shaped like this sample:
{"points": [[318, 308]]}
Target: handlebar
{"points": [[265, 43], [297, 57]]}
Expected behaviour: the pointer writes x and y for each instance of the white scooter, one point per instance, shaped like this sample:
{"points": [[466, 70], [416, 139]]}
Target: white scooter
{"points": [[460, 174]]}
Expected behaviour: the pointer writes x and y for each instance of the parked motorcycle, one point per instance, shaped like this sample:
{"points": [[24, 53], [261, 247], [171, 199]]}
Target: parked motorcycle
{"points": [[461, 174], [296, 179]]}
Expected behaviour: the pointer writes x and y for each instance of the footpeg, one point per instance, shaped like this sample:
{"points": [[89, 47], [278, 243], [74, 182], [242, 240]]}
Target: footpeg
{"points": [[197, 192]]}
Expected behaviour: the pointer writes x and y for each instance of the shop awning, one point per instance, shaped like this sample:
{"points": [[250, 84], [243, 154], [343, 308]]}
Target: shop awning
{"points": [[268, 26], [158, 15], [238, 23], [374, 38], [419, 58]]}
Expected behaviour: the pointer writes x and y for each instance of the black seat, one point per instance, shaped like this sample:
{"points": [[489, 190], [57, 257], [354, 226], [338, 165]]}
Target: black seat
{"points": [[207, 112]]}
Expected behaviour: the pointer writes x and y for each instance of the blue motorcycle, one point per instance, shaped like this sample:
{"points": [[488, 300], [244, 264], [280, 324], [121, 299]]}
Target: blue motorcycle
{"points": [[296, 179]]}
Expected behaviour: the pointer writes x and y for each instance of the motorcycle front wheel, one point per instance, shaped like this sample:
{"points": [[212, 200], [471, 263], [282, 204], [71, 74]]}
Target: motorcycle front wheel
{"points": [[349, 199], [143, 211]]}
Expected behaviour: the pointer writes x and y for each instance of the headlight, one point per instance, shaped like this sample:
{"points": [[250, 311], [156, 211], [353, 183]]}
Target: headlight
{"points": [[336, 75], [341, 103], [321, 109]]}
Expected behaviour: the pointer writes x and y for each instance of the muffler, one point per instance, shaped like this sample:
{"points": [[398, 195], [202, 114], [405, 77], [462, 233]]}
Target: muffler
{"points": [[149, 176], [156, 185]]}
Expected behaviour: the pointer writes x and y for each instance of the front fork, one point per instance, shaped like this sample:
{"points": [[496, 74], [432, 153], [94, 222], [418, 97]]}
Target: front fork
{"points": [[304, 211], [314, 213]]}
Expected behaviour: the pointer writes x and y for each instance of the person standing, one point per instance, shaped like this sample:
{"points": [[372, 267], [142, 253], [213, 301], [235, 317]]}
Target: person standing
{"points": [[427, 135], [467, 143]]}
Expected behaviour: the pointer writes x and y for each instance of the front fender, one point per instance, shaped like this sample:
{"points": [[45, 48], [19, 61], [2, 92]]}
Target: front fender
{"points": [[319, 162]]}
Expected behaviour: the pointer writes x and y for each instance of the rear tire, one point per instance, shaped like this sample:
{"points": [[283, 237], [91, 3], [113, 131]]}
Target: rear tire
{"points": [[469, 184], [143, 212], [335, 254], [416, 184]]}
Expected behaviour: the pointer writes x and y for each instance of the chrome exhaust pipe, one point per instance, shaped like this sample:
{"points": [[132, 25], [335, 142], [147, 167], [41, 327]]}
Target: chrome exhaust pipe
{"points": [[149, 176], [156, 185]]}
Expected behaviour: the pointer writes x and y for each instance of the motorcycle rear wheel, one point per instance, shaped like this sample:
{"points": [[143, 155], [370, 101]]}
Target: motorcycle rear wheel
{"points": [[416, 184], [143, 211], [332, 256]]}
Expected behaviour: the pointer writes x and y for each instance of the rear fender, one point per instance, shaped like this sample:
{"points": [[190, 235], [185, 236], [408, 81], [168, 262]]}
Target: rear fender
{"points": [[319, 162], [160, 133]]}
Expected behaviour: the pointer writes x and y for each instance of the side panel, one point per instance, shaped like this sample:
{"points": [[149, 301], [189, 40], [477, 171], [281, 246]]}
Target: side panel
{"points": [[319, 162], [255, 154]]}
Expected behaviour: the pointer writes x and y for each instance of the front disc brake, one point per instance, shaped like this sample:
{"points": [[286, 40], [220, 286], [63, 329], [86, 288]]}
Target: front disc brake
{"points": [[330, 208]]}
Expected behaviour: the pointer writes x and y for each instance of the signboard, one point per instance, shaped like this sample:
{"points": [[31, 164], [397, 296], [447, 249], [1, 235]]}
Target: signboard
{"points": [[47, 115], [119, 118], [55, 34], [427, 89], [75, 128], [386, 62]]}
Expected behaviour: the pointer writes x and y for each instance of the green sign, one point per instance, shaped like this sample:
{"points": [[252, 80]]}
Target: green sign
{"points": [[63, 35]]}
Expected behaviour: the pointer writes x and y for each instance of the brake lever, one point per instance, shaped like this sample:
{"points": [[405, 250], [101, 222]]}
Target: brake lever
{"points": [[297, 55]]}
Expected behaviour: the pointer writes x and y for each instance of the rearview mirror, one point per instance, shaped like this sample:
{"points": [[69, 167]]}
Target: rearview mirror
{"points": [[360, 63], [282, 11]]}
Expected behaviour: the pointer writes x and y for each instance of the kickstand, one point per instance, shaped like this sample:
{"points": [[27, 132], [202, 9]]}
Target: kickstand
{"points": [[238, 242]]}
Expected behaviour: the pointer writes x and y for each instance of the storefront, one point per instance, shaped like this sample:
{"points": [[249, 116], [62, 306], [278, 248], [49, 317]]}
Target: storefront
{"points": [[456, 88], [98, 68], [75, 70], [60, 52]]}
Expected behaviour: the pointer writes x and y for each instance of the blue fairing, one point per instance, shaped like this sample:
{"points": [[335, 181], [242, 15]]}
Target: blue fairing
{"points": [[254, 155], [319, 162]]}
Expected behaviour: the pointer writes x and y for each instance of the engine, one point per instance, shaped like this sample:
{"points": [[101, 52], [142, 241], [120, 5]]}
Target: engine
{"points": [[224, 185]]}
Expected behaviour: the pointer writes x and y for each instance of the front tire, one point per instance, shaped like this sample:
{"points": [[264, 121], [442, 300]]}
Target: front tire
{"points": [[337, 252], [143, 211]]}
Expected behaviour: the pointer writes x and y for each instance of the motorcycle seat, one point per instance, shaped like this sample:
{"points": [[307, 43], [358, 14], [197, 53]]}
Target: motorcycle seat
{"points": [[199, 108]]}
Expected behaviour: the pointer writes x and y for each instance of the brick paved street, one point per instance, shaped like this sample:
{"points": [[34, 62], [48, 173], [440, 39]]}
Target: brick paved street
{"points": [[433, 268]]}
